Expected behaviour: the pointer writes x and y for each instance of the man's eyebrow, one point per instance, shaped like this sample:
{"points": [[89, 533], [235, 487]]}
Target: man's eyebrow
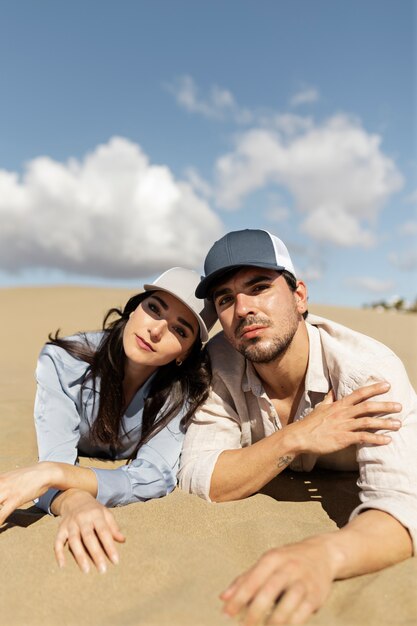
{"points": [[180, 319], [259, 278], [221, 291]]}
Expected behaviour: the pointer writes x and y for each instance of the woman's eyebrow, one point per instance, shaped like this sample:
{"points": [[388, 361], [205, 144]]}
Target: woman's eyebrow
{"points": [[161, 302], [187, 324]]}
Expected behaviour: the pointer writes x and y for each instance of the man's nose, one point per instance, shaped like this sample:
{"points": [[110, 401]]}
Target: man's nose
{"points": [[244, 305]]}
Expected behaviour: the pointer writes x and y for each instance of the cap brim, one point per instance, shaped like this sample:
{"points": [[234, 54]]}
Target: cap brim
{"points": [[203, 328], [206, 285]]}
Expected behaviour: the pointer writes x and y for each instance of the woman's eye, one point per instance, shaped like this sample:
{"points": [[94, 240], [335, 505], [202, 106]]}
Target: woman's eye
{"points": [[181, 332], [153, 307]]}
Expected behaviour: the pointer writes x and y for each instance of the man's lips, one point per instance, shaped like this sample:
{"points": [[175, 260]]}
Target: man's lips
{"points": [[251, 331], [143, 344]]}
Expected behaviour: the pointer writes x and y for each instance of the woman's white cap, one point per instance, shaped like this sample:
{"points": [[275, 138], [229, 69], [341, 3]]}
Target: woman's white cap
{"points": [[182, 283]]}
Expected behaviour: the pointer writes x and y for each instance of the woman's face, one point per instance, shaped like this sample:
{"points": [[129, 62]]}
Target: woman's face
{"points": [[160, 330]]}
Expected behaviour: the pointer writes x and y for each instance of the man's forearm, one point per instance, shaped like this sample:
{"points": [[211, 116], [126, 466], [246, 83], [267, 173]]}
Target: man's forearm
{"points": [[241, 473], [371, 541]]}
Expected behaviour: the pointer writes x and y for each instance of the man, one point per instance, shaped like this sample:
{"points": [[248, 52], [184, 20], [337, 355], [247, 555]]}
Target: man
{"points": [[295, 392]]}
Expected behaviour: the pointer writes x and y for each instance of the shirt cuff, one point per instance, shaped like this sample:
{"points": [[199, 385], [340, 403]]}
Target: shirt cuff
{"points": [[45, 501]]}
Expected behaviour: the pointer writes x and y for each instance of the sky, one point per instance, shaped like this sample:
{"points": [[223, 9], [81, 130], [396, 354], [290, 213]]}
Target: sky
{"points": [[134, 134]]}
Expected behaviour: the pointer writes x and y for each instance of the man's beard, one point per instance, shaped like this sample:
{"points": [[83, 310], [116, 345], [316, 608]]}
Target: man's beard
{"points": [[258, 350]]}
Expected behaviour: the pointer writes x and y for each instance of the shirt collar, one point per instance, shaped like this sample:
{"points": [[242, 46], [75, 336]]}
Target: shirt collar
{"points": [[317, 375]]}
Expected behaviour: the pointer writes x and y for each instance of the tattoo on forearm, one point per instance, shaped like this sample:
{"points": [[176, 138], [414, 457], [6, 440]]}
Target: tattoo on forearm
{"points": [[283, 461]]}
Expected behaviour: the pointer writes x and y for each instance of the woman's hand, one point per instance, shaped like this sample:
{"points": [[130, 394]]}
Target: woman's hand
{"points": [[89, 528], [24, 485]]}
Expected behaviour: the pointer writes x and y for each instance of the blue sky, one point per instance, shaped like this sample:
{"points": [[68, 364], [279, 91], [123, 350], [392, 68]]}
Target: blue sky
{"points": [[136, 133]]}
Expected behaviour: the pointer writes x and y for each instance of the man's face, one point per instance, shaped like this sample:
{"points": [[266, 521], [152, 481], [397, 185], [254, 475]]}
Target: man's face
{"points": [[259, 313]]}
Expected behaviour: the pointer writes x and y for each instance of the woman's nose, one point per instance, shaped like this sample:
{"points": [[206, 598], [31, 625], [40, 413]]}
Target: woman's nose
{"points": [[157, 330]]}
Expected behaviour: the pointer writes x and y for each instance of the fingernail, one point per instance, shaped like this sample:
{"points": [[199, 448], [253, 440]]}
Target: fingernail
{"points": [[115, 558], [396, 423], [102, 568], [397, 406], [85, 568]]}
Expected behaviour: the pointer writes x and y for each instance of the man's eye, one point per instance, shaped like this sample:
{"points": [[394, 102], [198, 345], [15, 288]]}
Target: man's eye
{"points": [[260, 288], [224, 300]]}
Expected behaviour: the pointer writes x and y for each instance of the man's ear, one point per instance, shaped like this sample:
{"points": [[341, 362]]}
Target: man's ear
{"points": [[301, 296]]}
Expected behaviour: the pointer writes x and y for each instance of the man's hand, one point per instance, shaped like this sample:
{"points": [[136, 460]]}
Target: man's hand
{"points": [[23, 485], [335, 425], [286, 585], [89, 528]]}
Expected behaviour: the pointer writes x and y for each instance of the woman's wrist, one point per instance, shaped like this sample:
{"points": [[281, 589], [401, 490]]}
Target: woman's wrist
{"points": [[52, 474]]}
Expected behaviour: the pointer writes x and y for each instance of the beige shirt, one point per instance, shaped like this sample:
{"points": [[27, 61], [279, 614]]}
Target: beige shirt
{"points": [[238, 413]]}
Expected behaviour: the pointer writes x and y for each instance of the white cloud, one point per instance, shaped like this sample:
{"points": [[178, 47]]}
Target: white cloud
{"points": [[198, 183], [408, 228], [336, 172], [412, 198], [112, 214], [367, 283], [305, 96], [219, 103], [405, 261], [278, 214]]}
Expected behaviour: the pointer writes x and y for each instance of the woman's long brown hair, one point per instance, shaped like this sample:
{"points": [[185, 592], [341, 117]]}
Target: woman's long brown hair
{"points": [[171, 386]]}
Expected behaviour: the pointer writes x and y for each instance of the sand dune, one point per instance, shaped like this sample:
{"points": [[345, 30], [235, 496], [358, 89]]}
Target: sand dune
{"points": [[180, 551]]}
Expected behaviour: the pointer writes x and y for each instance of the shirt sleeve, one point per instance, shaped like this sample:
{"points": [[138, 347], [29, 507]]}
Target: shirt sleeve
{"points": [[388, 473], [152, 474], [56, 417], [215, 428]]}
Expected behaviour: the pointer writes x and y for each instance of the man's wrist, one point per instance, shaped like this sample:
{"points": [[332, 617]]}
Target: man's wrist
{"points": [[333, 551]]}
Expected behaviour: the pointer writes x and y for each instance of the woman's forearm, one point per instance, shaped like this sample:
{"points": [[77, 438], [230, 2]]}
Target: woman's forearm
{"points": [[64, 476]]}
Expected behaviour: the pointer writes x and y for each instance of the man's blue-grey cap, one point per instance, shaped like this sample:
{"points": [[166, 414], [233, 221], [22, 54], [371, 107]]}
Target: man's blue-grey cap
{"points": [[240, 248]]}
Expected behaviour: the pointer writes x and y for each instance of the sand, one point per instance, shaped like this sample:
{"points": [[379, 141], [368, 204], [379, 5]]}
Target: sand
{"points": [[180, 551]]}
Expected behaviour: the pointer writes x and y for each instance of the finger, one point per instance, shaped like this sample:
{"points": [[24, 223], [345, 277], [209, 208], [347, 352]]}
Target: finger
{"points": [[94, 549], [115, 530], [263, 602], [370, 439], [250, 583], [303, 612], [79, 553], [60, 541], [329, 398], [6, 509], [363, 393], [370, 407], [288, 604], [375, 423], [106, 540], [230, 589]]}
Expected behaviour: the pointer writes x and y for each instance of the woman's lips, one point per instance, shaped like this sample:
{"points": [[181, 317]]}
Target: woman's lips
{"points": [[143, 344]]}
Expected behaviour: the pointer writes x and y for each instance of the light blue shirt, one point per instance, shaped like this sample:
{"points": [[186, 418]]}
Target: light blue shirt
{"points": [[63, 418]]}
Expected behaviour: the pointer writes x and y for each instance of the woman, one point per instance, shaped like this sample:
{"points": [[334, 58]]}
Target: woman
{"points": [[127, 392]]}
